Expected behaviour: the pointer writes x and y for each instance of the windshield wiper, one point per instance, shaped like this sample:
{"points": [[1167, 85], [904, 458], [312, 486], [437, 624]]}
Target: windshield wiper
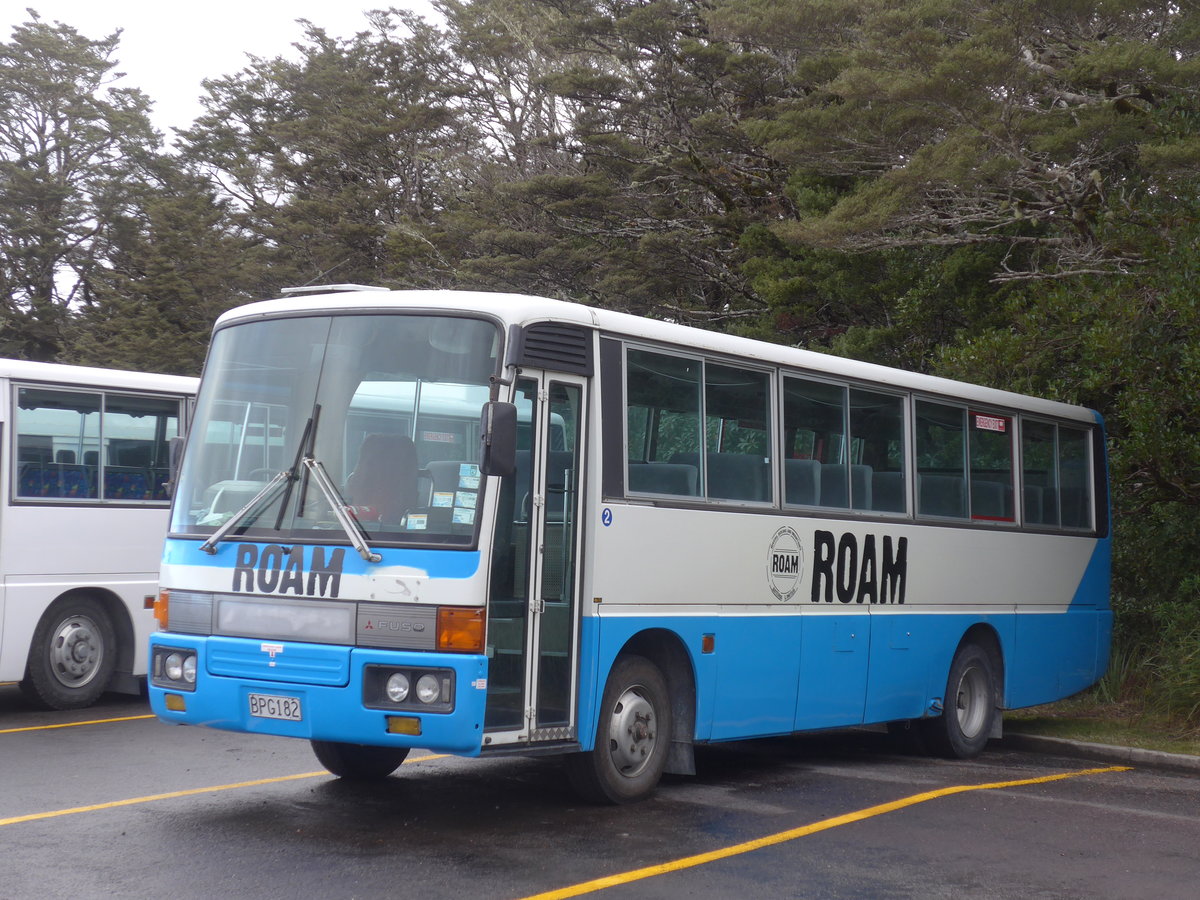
{"points": [[281, 482], [308, 440], [350, 525], [261, 499], [284, 482]]}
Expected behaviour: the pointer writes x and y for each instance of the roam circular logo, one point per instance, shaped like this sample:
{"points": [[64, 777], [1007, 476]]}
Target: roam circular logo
{"points": [[785, 564]]}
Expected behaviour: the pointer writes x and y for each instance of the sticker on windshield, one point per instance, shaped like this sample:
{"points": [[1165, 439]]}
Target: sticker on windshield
{"points": [[417, 522]]}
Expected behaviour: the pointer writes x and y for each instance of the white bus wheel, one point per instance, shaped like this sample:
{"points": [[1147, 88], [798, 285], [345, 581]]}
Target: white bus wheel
{"points": [[633, 735], [963, 728], [72, 655]]}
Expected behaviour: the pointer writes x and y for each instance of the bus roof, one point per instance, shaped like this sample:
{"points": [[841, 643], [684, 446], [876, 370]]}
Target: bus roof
{"points": [[522, 310], [87, 376]]}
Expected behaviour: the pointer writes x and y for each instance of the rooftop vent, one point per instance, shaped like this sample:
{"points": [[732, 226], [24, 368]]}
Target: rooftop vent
{"points": [[330, 288]]}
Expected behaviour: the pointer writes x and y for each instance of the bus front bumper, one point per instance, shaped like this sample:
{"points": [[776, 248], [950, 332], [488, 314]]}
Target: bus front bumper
{"points": [[316, 692]]}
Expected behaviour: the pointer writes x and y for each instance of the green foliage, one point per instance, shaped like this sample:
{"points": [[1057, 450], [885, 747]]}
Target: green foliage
{"points": [[70, 155], [968, 122], [334, 161], [174, 267]]}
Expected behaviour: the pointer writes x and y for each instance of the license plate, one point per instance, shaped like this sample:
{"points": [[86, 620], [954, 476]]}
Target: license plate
{"points": [[271, 706]]}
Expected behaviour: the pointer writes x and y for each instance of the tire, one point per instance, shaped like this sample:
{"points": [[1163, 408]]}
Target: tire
{"points": [[72, 656], [359, 762], [633, 735], [963, 728]]}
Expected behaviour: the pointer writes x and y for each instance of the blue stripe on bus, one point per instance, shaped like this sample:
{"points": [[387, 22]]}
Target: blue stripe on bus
{"points": [[780, 674], [1095, 586], [437, 563]]}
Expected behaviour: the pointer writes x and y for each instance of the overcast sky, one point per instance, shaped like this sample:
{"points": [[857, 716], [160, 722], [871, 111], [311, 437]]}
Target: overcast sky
{"points": [[168, 46]]}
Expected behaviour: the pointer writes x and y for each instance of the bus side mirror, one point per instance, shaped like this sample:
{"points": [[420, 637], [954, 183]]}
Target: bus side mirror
{"points": [[174, 452], [498, 438]]}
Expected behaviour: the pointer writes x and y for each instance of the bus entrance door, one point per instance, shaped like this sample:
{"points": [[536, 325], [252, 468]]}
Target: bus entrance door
{"points": [[533, 607]]}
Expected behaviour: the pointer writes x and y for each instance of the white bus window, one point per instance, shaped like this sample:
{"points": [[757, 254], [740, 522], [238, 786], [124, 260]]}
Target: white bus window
{"points": [[1075, 477], [876, 470], [737, 434], [136, 435], [58, 442], [814, 427], [1040, 472], [663, 423], [941, 460], [73, 445], [991, 468]]}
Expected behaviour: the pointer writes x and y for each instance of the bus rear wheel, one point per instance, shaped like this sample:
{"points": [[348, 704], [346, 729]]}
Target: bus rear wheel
{"points": [[359, 762], [72, 655], [963, 728], [633, 735]]}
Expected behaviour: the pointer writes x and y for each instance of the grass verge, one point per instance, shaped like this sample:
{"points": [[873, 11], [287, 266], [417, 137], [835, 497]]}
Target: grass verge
{"points": [[1087, 719]]}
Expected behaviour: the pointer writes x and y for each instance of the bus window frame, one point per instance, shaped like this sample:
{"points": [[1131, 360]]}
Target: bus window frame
{"points": [[16, 385], [614, 365], [701, 499]]}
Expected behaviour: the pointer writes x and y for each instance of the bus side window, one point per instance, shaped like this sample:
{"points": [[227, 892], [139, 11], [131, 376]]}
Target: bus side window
{"points": [[1040, 472], [54, 429], [814, 423], [877, 448], [662, 422], [737, 433], [991, 467], [1075, 477], [941, 460]]}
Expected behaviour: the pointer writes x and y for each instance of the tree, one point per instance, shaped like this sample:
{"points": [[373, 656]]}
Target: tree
{"points": [[653, 180], [70, 147], [331, 160], [968, 122], [176, 263]]}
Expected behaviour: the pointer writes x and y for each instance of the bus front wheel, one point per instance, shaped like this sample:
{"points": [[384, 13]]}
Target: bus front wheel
{"points": [[359, 762], [72, 655], [963, 728], [633, 735]]}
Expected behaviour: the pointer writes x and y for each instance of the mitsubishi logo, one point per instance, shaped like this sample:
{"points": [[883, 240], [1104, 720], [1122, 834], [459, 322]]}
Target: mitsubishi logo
{"points": [[271, 650]]}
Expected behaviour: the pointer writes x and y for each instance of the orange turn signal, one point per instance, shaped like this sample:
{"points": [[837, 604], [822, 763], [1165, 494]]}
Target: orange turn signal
{"points": [[161, 614], [460, 629], [409, 725]]}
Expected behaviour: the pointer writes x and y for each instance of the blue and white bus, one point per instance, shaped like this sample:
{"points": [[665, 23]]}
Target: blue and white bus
{"points": [[488, 524]]}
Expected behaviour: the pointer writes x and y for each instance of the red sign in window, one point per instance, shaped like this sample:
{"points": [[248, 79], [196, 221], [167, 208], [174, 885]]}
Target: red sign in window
{"points": [[991, 423]]}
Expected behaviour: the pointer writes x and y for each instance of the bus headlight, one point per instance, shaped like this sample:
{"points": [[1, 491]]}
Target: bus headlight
{"points": [[174, 668], [397, 687], [416, 688], [428, 688]]}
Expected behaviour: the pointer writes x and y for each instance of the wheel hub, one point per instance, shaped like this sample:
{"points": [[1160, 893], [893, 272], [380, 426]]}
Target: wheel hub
{"points": [[971, 701], [76, 652], [632, 733]]}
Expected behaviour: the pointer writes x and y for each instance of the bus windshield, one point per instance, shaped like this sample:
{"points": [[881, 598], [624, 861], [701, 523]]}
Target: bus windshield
{"points": [[387, 405]]}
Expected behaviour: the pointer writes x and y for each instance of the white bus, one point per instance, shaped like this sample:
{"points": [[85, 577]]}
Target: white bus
{"points": [[84, 513], [652, 537]]}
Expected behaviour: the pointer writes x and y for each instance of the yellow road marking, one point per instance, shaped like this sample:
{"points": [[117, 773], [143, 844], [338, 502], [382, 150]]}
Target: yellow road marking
{"points": [[781, 837], [74, 724], [171, 795]]}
